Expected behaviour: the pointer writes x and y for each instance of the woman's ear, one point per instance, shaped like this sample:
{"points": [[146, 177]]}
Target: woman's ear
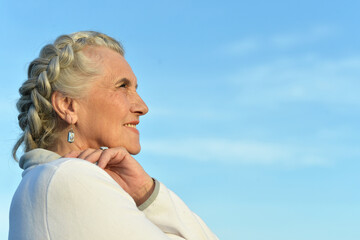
{"points": [[64, 107]]}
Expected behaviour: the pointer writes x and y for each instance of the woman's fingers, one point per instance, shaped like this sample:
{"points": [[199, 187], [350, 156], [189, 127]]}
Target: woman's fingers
{"points": [[103, 157], [90, 154], [112, 156], [94, 156]]}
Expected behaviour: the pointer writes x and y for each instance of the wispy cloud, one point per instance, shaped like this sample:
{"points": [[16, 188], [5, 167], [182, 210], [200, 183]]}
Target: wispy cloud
{"points": [[284, 40], [243, 152], [306, 79], [292, 39]]}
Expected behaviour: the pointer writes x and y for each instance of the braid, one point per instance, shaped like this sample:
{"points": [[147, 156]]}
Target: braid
{"points": [[60, 67]]}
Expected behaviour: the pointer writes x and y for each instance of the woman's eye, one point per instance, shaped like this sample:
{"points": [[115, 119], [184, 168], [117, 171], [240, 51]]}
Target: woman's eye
{"points": [[124, 85]]}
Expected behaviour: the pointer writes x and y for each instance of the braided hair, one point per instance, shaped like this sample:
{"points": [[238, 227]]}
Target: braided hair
{"points": [[61, 67]]}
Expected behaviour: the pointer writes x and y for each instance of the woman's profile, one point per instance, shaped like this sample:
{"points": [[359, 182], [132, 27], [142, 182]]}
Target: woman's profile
{"points": [[78, 111]]}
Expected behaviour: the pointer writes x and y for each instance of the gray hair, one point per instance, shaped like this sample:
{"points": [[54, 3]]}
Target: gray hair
{"points": [[62, 67]]}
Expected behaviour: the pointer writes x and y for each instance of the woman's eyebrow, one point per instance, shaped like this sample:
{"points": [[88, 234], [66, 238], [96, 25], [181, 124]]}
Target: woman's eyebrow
{"points": [[127, 81]]}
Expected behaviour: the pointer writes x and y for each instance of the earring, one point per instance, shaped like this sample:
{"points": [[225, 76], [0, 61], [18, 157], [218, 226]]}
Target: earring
{"points": [[71, 134]]}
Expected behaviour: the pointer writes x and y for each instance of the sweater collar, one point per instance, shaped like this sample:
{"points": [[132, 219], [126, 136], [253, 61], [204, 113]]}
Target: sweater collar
{"points": [[37, 156]]}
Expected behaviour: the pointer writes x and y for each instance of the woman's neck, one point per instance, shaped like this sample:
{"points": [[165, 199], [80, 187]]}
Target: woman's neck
{"points": [[62, 146]]}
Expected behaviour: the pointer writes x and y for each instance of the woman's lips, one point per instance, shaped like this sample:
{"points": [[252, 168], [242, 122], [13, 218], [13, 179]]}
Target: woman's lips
{"points": [[132, 127]]}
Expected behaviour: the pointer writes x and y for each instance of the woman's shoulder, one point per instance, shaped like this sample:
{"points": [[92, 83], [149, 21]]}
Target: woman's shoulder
{"points": [[41, 166], [47, 175], [68, 175], [64, 192], [75, 170], [69, 168]]}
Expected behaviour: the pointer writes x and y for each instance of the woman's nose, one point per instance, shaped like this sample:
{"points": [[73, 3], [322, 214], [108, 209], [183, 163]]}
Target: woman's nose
{"points": [[138, 105]]}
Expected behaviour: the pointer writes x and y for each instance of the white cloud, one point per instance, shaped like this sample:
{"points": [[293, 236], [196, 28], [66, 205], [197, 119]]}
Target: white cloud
{"points": [[292, 39], [241, 152], [304, 79], [285, 40]]}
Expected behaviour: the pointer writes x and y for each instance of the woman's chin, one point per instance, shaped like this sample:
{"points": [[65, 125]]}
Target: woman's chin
{"points": [[133, 150]]}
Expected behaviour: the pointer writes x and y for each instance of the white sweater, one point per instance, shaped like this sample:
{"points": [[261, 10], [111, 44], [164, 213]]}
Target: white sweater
{"points": [[69, 198]]}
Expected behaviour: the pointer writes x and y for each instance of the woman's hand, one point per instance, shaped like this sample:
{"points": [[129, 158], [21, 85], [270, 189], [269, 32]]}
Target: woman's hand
{"points": [[123, 168]]}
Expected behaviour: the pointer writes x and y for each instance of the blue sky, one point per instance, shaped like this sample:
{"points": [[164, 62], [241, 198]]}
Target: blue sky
{"points": [[254, 105]]}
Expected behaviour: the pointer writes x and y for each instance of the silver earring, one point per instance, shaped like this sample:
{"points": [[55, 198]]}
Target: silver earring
{"points": [[71, 136]]}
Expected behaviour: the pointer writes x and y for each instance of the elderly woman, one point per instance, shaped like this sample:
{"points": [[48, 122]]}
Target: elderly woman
{"points": [[78, 111]]}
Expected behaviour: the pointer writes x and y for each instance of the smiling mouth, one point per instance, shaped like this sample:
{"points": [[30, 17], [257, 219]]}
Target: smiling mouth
{"points": [[130, 125]]}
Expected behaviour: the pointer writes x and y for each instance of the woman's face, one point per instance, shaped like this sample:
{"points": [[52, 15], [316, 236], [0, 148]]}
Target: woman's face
{"points": [[108, 115]]}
